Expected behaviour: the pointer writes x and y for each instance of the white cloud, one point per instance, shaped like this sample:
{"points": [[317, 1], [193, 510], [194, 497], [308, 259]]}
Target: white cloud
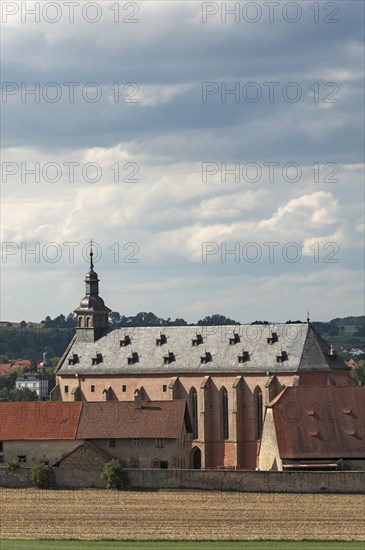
{"points": [[170, 212]]}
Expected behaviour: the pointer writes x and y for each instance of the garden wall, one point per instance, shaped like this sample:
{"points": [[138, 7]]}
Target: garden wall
{"points": [[243, 481]]}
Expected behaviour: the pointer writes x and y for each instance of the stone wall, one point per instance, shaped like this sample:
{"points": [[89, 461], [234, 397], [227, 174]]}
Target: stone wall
{"points": [[18, 478], [82, 468], [250, 481], [242, 481]]}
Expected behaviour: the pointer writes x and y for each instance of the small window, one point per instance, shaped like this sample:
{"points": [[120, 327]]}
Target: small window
{"points": [[198, 340], [244, 357], [66, 389], [164, 388], [74, 359], [169, 358], [235, 339], [98, 359], [22, 458], [136, 442], [281, 358], [160, 443], [133, 358], [155, 463], [207, 358], [112, 442], [1, 459], [124, 388], [92, 389], [134, 462], [125, 342], [164, 464], [1, 446], [161, 340], [274, 338]]}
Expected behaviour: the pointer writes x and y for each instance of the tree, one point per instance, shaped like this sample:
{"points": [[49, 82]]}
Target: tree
{"points": [[217, 319], [70, 320], [50, 374], [23, 394], [179, 322], [40, 475], [114, 319], [358, 374], [144, 319], [114, 475], [7, 380]]}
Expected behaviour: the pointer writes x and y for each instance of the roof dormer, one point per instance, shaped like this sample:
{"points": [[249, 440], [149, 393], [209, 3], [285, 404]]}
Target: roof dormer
{"points": [[235, 339], [206, 358], [133, 358], [273, 338], [126, 341], [197, 340], [161, 340]]}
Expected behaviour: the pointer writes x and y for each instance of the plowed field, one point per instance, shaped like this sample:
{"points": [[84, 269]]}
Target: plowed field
{"points": [[185, 515]]}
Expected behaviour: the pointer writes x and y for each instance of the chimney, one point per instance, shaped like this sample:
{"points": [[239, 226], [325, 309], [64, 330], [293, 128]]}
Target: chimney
{"points": [[138, 399]]}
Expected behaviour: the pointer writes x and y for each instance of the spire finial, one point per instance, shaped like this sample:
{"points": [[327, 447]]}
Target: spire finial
{"points": [[91, 255], [308, 318]]}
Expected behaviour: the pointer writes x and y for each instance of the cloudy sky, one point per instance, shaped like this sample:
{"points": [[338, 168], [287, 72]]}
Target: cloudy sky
{"points": [[215, 158]]}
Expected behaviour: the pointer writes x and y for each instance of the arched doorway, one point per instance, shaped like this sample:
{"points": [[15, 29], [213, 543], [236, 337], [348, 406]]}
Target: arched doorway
{"points": [[195, 459]]}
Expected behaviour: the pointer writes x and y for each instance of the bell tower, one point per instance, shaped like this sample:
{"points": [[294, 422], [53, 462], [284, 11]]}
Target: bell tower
{"points": [[92, 314]]}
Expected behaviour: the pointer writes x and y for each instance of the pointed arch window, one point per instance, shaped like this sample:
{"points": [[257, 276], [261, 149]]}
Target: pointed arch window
{"points": [[258, 412], [224, 413], [193, 407]]}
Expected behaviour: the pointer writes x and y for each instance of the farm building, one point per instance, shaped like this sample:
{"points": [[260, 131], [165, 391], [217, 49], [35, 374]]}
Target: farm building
{"points": [[320, 428], [225, 373], [149, 434]]}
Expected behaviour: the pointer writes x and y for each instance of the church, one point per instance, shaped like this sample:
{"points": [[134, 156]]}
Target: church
{"points": [[226, 374]]}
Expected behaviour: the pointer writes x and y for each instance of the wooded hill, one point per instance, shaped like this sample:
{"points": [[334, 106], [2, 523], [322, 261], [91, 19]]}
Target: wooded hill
{"points": [[27, 340]]}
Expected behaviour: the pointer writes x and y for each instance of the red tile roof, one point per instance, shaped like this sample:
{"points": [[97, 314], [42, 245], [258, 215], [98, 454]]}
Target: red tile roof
{"points": [[313, 422], [7, 367], [22, 363], [4, 368], [39, 420], [352, 363], [89, 420], [120, 419]]}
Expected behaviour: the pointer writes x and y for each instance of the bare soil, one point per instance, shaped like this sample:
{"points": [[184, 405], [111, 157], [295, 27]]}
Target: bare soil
{"points": [[182, 515]]}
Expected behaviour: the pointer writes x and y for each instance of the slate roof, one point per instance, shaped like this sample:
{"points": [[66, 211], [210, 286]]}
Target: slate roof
{"points": [[88, 420], [320, 422], [30, 376], [305, 351]]}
